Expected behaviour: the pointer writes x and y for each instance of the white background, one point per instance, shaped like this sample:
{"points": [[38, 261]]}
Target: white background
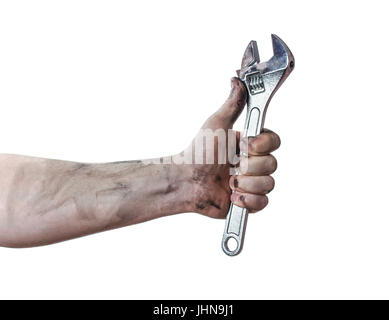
{"points": [[114, 80]]}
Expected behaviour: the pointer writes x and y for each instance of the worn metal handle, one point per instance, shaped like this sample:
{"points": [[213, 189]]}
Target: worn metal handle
{"points": [[234, 231], [235, 227]]}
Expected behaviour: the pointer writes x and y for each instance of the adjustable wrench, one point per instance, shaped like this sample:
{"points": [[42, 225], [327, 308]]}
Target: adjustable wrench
{"points": [[262, 80]]}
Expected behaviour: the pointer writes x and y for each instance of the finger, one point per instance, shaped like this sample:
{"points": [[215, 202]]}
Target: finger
{"points": [[263, 144], [258, 165], [252, 202], [231, 109], [252, 184], [235, 102]]}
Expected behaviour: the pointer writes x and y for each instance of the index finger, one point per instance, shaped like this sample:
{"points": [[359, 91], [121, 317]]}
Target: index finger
{"points": [[263, 144]]}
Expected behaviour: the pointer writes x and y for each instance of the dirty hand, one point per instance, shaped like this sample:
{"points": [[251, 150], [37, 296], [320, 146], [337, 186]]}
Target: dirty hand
{"points": [[212, 183]]}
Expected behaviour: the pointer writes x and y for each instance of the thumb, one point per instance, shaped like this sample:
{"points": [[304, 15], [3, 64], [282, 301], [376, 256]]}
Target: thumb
{"points": [[231, 109]]}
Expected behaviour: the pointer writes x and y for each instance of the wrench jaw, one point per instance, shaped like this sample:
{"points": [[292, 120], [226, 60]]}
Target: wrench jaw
{"points": [[251, 55], [282, 60], [266, 77], [250, 59]]}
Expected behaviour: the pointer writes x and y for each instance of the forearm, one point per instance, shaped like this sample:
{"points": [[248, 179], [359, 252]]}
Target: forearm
{"points": [[46, 201]]}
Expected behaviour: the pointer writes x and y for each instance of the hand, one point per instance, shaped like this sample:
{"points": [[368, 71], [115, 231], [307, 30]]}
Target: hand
{"points": [[212, 183]]}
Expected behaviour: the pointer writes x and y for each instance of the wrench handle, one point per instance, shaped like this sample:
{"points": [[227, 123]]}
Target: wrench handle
{"points": [[236, 221]]}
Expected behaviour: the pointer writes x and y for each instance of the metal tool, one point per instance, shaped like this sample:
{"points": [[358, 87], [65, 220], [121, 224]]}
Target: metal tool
{"points": [[261, 80]]}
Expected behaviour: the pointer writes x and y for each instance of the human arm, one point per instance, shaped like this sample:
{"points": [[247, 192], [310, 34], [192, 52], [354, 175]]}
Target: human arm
{"points": [[44, 201]]}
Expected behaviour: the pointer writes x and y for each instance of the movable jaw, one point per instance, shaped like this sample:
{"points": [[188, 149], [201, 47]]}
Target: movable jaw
{"points": [[250, 56], [282, 60]]}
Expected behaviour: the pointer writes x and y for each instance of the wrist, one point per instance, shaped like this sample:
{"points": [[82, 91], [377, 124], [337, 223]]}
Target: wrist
{"points": [[156, 189], [177, 190]]}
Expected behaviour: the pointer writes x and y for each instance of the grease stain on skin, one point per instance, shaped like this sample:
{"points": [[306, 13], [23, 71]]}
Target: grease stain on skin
{"points": [[172, 187], [200, 206], [213, 204]]}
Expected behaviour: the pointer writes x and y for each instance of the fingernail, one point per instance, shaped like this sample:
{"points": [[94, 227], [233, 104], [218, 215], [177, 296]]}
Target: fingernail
{"points": [[241, 198], [236, 182]]}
